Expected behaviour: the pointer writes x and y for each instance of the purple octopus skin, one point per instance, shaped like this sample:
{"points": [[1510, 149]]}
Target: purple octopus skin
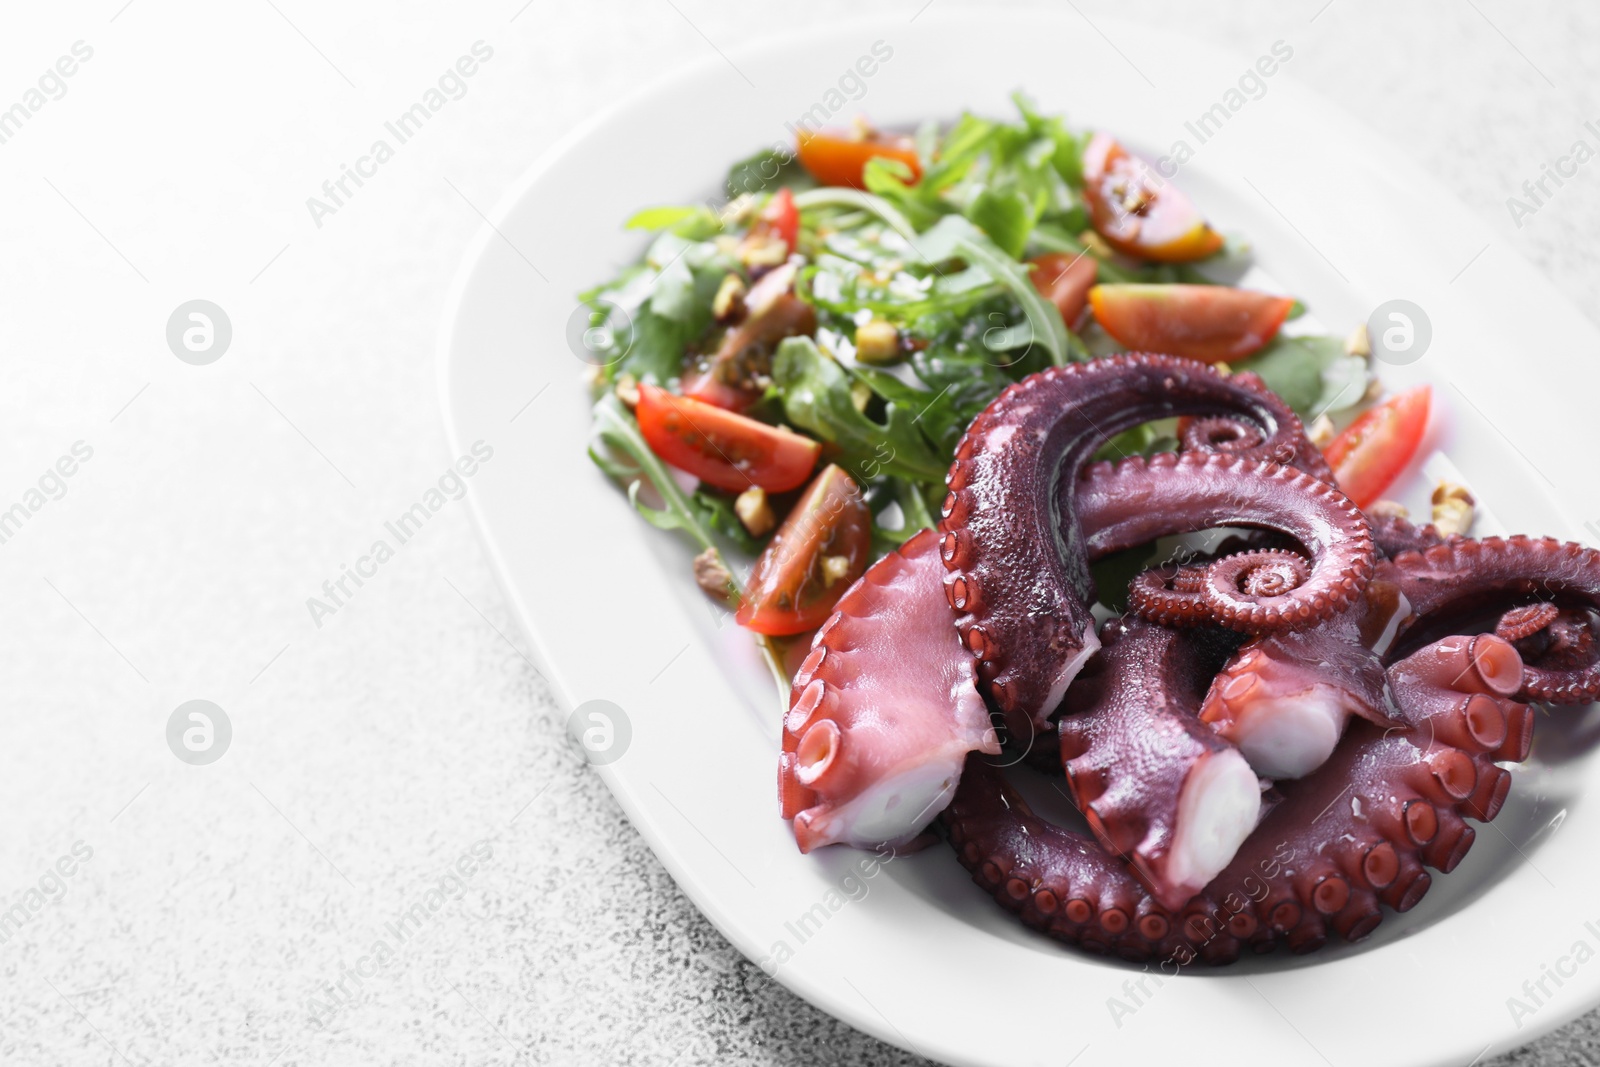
{"points": [[1355, 834], [1240, 437], [1395, 535], [1285, 698], [1011, 536], [1156, 785], [1135, 501], [1453, 583]]}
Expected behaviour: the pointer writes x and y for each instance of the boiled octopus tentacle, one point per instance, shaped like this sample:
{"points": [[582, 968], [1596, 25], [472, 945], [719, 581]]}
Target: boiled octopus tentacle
{"points": [[1243, 438], [1156, 784], [1395, 535], [1058, 881], [1566, 643], [1390, 802], [1136, 501], [1355, 834], [1286, 698], [883, 711], [1453, 582], [1018, 574]]}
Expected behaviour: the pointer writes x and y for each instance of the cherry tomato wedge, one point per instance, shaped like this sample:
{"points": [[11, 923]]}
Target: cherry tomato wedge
{"points": [[837, 157], [1372, 451], [1211, 323], [781, 218], [818, 553], [1138, 212], [721, 448], [1065, 281]]}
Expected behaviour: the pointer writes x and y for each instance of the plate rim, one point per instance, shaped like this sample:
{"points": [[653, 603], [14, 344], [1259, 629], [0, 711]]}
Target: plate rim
{"points": [[801, 981]]}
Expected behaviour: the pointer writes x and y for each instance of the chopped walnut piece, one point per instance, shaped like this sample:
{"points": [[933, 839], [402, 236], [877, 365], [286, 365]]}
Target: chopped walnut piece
{"points": [[834, 568], [1321, 431], [728, 304], [1453, 509], [628, 390], [711, 575], [755, 511], [1358, 343], [1388, 509], [1095, 243]]}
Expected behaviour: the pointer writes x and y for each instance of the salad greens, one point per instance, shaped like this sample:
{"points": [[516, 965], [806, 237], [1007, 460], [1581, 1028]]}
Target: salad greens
{"points": [[939, 255]]}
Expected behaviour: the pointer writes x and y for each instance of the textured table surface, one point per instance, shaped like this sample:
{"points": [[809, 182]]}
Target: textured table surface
{"points": [[211, 913]]}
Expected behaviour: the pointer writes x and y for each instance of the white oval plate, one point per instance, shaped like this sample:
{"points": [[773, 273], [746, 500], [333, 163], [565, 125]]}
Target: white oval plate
{"points": [[911, 951]]}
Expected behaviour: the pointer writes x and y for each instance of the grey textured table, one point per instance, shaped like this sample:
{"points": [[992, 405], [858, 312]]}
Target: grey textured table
{"points": [[230, 912]]}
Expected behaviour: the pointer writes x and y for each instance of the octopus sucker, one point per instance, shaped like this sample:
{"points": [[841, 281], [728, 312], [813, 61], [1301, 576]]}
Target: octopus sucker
{"points": [[882, 711]]}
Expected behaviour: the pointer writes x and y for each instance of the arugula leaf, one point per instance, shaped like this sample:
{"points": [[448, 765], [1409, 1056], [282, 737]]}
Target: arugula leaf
{"points": [[816, 396], [1312, 374], [620, 451], [717, 508], [766, 172], [1005, 217], [955, 236], [693, 221], [877, 205]]}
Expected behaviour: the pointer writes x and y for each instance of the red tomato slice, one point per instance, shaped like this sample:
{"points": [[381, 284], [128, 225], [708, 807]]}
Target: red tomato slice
{"points": [[1137, 211], [837, 157], [721, 448], [782, 218], [818, 553], [1211, 323], [1065, 281], [1372, 451]]}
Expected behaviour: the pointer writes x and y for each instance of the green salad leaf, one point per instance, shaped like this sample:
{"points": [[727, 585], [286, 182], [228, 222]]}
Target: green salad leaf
{"points": [[1313, 374], [816, 395]]}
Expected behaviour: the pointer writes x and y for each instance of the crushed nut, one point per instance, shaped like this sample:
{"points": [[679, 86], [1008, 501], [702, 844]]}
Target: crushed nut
{"points": [[1373, 392], [1358, 343], [878, 342], [712, 575], [1453, 509], [1095, 243], [1321, 431], [1223, 370], [1388, 509], [754, 511], [628, 390], [728, 304], [834, 568], [861, 129], [767, 250], [738, 211]]}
